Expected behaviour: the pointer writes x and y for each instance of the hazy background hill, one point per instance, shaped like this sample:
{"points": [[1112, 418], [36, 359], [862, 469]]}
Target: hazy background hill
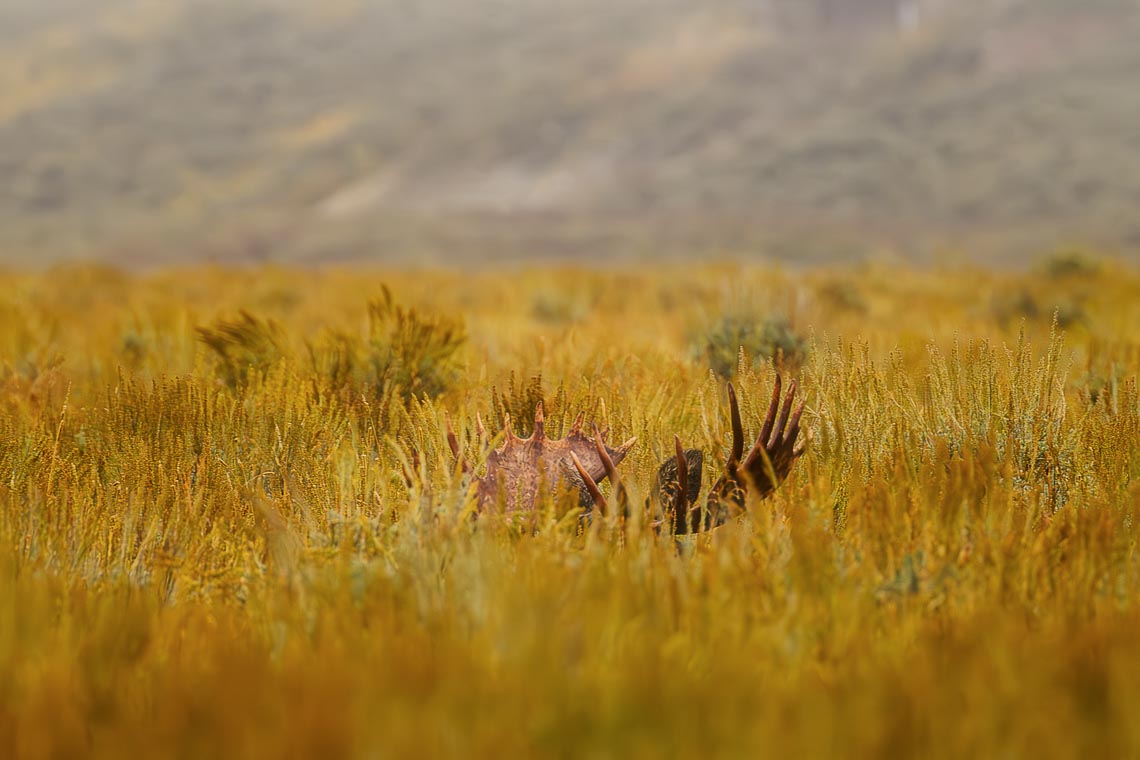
{"points": [[289, 130]]}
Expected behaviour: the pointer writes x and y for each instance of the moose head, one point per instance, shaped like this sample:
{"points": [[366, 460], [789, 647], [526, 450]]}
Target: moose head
{"points": [[523, 468]]}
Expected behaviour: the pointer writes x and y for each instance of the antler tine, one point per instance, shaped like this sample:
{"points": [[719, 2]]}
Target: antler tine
{"points": [[778, 431], [681, 504], [539, 423], [737, 426], [576, 428], [409, 475], [793, 428], [769, 423], [798, 451], [453, 442], [607, 462], [508, 428], [479, 426], [591, 486]]}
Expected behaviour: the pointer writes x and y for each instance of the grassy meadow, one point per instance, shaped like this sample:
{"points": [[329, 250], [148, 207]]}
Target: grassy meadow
{"points": [[208, 547]]}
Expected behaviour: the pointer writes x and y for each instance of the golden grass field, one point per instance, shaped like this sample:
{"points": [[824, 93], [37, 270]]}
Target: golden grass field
{"points": [[208, 548]]}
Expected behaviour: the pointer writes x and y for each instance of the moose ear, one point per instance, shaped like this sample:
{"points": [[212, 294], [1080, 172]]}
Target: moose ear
{"points": [[667, 484]]}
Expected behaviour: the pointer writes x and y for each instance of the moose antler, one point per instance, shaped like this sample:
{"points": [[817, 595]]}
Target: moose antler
{"points": [[518, 470], [767, 464], [678, 485]]}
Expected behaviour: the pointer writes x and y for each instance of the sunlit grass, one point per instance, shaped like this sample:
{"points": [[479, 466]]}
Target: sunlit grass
{"points": [[199, 558]]}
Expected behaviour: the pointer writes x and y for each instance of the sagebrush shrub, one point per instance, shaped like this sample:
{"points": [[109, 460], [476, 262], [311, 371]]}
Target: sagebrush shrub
{"points": [[244, 347], [772, 339]]}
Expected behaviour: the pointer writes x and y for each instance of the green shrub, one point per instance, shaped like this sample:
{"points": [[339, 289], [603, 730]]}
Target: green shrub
{"points": [[1022, 305], [410, 353], [406, 354], [243, 348], [844, 295], [1071, 263], [559, 307], [772, 339]]}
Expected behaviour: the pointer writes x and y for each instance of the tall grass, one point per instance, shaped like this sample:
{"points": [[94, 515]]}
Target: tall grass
{"points": [[208, 555]]}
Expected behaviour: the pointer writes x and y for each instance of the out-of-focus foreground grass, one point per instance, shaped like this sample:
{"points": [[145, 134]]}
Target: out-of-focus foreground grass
{"points": [[207, 546]]}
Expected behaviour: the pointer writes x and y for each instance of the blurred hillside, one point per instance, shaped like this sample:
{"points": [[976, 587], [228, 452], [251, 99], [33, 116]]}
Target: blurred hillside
{"points": [[377, 129]]}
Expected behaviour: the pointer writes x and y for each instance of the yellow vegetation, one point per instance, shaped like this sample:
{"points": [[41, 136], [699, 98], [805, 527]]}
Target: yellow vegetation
{"points": [[207, 546]]}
